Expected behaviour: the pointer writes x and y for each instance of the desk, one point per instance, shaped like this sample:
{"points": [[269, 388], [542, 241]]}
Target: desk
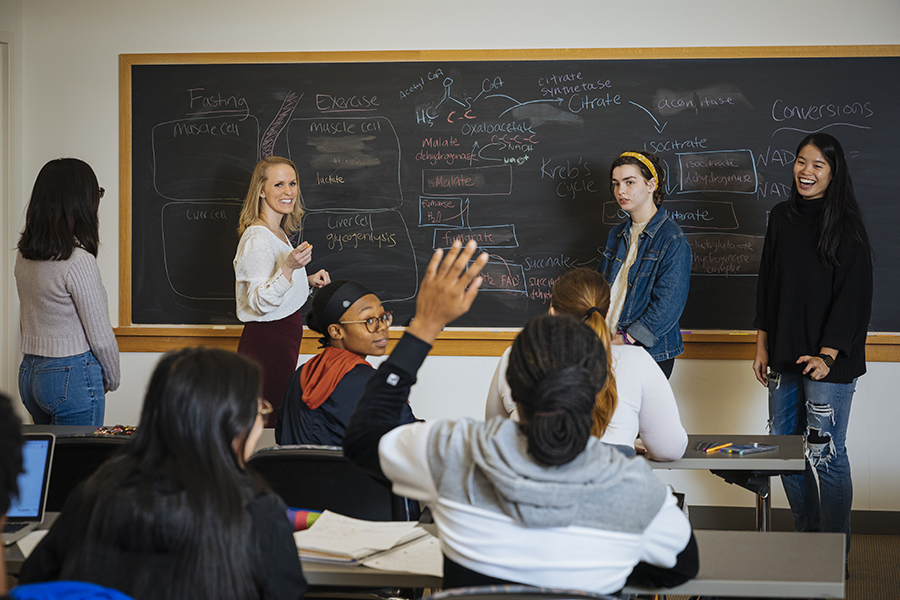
{"points": [[732, 563], [788, 457], [266, 440]]}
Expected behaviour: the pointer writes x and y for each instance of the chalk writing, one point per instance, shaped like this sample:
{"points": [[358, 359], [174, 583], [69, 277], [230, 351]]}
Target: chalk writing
{"points": [[217, 102], [327, 103], [494, 236], [576, 177], [474, 181], [725, 254], [443, 211], [502, 276], [721, 171], [340, 241]]}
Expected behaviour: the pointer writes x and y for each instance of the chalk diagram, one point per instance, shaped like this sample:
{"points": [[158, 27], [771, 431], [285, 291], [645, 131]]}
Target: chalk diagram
{"points": [[200, 165], [450, 196], [349, 170]]}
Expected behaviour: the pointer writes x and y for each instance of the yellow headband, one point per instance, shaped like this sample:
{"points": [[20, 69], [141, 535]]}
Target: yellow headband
{"points": [[646, 162]]}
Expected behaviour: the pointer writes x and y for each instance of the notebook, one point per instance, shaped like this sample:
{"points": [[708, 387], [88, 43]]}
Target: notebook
{"points": [[27, 509]]}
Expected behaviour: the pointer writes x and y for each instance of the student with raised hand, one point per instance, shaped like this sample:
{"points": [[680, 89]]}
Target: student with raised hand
{"points": [[323, 393], [647, 260], [174, 515], [636, 393], [271, 280], [814, 300], [540, 503], [71, 358]]}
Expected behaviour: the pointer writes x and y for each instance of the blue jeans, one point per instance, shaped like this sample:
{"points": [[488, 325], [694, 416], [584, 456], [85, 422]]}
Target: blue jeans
{"points": [[820, 412], [63, 391]]}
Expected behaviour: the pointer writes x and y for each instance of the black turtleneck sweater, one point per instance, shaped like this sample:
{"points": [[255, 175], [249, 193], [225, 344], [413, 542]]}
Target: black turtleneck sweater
{"points": [[804, 305]]}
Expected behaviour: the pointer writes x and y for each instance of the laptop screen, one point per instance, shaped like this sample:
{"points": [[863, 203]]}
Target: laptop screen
{"points": [[36, 454]]}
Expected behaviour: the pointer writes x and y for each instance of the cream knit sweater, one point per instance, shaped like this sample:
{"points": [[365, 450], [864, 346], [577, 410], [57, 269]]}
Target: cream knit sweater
{"points": [[65, 312]]}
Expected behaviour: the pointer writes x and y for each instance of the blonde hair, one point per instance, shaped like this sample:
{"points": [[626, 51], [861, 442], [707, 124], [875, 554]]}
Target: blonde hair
{"points": [[250, 212], [576, 293]]}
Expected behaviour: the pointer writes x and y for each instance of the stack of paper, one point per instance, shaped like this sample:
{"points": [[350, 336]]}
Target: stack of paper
{"points": [[386, 545]]}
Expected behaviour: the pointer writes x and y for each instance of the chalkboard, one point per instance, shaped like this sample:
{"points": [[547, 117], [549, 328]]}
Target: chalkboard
{"points": [[397, 157]]}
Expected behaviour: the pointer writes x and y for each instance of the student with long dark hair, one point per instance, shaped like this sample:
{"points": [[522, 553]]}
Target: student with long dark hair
{"points": [[647, 261], [541, 502], [71, 355], [271, 283], [10, 467], [174, 515], [814, 299]]}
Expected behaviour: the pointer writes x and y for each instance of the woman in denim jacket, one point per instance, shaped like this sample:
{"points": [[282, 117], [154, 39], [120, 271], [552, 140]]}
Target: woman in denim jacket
{"points": [[651, 252]]}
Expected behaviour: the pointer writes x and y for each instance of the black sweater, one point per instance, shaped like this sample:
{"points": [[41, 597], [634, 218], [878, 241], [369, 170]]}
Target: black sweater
{"points": [[804, 305], [275, 565]]}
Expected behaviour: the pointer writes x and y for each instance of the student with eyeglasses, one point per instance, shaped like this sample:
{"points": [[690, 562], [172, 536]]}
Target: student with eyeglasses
{"points": [[323, 393]]}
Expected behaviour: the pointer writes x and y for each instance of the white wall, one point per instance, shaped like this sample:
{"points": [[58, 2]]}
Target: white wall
{"points": [[65, 103]]}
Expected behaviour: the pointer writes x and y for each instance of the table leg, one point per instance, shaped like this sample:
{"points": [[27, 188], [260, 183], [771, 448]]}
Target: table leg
{"points": [[764, 509]]}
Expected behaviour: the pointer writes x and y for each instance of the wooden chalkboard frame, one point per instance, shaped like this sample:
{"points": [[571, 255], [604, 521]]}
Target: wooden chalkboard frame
{"points": [[461, 342]]}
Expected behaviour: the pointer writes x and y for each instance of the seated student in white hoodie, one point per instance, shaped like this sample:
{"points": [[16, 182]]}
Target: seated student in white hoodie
{"points": [[636, 392], [541, 502]]}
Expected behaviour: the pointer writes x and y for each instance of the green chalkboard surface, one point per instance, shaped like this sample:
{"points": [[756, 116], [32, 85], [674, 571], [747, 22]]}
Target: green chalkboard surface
{"points": [[398, 157]]}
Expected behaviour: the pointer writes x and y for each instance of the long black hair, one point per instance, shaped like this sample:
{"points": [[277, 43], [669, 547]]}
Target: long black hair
{"points": [[557, 366], [179, 486], [841, 209], [10, 453], [63, 211]]}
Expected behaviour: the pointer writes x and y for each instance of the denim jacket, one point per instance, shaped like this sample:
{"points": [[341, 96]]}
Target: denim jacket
{"points": [[657, 282]]}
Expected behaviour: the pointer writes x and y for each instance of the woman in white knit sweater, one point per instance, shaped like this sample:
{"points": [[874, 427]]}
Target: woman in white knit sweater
{"points": [[636, 394], [71, 355]]}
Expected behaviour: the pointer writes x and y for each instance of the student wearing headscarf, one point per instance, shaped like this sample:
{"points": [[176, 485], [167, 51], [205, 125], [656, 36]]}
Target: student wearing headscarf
{"points": [[323, 393]]}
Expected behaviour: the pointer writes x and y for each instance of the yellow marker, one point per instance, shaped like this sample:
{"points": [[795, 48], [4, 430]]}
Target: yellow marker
{"points": [[714, 448]]}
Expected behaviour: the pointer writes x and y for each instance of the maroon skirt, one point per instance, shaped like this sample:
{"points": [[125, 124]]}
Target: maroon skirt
{"points": [[275, 345]]}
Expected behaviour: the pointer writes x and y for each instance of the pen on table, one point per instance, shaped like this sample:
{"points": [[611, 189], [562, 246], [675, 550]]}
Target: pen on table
{"points": [[714, 448]]}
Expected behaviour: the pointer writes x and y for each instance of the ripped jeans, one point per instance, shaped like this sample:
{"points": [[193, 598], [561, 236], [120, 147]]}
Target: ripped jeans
{"points": [[820, 412]]}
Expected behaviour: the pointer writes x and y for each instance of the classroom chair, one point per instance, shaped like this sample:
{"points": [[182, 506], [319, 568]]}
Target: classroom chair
{"points": [[517, 592], [320, 478], [75, 458]]}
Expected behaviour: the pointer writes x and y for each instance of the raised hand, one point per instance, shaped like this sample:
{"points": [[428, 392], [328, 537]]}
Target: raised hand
{"points": [[448, 289]]}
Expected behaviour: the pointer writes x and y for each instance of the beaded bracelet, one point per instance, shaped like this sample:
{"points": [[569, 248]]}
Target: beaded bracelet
{"points": [[625, 337]]}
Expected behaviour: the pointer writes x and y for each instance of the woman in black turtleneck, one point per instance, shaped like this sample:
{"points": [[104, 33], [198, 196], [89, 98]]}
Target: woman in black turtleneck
{"points": [[814, 299]]}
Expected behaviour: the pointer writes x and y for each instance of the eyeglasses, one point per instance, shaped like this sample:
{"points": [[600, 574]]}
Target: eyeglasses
{"points": [[102, 191], [374, 323], [265, 408]]}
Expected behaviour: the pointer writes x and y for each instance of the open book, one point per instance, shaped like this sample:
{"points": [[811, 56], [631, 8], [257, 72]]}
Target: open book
{"points": [[387, 545]]}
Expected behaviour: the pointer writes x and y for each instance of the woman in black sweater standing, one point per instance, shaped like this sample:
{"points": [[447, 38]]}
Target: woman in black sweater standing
{"points": [[814, 299]]}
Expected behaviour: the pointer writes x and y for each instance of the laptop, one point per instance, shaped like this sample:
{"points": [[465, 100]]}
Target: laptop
{"points": [[26, 512]]}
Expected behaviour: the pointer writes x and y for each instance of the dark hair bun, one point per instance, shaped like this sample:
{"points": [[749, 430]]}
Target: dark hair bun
{"points": [[561, 429]]}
